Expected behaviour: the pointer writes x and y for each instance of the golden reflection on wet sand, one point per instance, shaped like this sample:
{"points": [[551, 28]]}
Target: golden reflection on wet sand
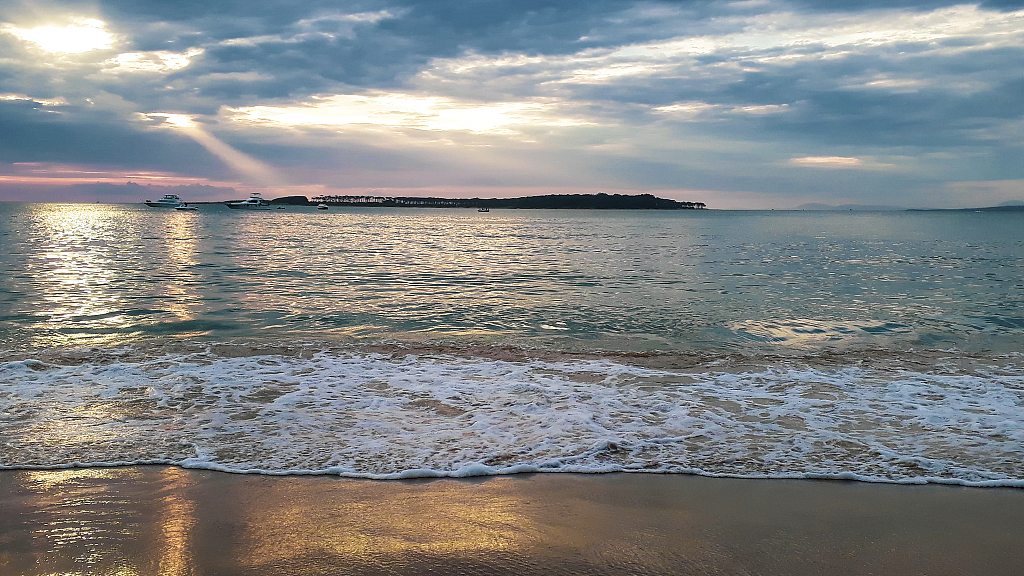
{"points": [[77, 525], [110, 521], [173, 522], [176, 522], [437, 519]]}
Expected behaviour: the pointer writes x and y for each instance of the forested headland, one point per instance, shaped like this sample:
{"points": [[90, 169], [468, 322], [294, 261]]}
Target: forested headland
{"points": [[551, 201]]}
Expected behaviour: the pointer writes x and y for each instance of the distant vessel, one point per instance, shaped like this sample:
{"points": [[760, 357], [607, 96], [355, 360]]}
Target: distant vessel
{"points": [[185, 206], [321, 206], [483, 209], [255, 201], [168, 201]]}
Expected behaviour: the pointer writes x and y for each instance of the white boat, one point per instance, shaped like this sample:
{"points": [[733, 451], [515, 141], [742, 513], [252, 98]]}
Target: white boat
{"points": [[185, 206], [255, 201], [321, 206], [168, 201], [483, 209]]}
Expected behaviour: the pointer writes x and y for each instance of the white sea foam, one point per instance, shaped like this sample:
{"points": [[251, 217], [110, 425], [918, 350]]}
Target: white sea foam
{"points": [[381, 416]]}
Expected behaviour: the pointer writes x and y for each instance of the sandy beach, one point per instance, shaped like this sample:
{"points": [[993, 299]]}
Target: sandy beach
{"points": [[171, 521]]}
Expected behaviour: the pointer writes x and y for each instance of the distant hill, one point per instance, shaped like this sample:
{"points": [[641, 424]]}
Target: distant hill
{"points": [[1009, 206], [848, 207], [999, 208], [1004, 207], [292, 201]]}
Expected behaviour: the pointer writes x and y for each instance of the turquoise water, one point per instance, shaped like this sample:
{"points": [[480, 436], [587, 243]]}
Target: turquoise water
{"points": [[405, 342]]}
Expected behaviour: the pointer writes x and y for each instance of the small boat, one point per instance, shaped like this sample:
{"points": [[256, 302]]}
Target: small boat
{"points": [[483, 209], [168, 201], [185, 206], [321, 206], [255, 201]]}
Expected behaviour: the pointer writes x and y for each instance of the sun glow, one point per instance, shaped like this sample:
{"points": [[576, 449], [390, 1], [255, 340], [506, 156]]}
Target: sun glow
{"points": [[82, 36]]}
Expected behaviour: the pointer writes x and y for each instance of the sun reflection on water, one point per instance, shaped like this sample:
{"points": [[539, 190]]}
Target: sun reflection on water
{"points": [[93, 267], [75, 268], [181, 258]]}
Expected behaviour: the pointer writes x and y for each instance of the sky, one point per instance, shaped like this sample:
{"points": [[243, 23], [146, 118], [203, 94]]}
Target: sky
{"points": [[749, 104]]}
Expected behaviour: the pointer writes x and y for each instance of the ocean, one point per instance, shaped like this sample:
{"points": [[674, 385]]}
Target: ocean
{"points": [[399, 342]]}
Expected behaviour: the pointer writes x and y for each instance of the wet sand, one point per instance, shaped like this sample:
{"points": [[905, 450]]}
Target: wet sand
{"points": [[168, 521]]}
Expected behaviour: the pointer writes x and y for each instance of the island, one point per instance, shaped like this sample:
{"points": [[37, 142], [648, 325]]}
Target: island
{"points": [[599, 201]]}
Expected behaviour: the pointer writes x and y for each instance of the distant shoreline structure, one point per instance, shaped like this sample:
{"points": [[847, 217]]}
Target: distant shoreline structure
{"points": [[551, 201]]}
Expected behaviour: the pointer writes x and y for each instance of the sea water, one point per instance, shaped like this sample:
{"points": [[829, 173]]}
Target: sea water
{"points": [[391, 343]]}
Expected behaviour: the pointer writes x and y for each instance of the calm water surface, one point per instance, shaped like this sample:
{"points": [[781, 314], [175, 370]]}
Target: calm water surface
{"points": [[82, 275], [391, 342]]}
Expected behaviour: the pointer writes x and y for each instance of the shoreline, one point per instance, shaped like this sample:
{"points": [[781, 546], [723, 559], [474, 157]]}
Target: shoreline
{"points": [[480, 472], [392, 413], [170, 520]]}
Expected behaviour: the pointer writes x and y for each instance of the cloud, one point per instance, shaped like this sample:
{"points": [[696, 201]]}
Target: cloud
{"points": [[827, 162], [64, 134], [709, 95], [83, 35], [417, 112], [157, 62]]}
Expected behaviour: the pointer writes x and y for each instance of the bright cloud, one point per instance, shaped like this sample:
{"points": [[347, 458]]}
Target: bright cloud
{"points": [[359, 17], [776, 38], [156, 62], [22, 98], [827, 162], [394, 110], [702, 111], [82, 36]]}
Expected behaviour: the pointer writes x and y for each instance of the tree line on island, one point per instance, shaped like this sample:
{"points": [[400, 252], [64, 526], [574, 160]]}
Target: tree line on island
{"points": [[599, 201]]}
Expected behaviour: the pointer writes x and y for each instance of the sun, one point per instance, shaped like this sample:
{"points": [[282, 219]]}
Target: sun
{"points": [[82, 36]]}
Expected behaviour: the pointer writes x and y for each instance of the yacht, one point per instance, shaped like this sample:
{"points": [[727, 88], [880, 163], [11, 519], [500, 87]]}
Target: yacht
{"points": [[168, 201], [255, 201], [321, 206]]}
